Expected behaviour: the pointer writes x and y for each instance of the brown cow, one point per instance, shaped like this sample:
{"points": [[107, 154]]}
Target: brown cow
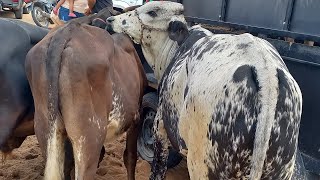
{"points": [[16, 102], [87, 87]]}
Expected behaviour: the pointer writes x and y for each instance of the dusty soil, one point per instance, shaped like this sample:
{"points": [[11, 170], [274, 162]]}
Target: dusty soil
{"points": [[27, 163], [26, 17]]}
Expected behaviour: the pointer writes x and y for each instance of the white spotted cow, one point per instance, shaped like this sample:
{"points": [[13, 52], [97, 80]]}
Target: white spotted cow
{"points": [[228, 102]]}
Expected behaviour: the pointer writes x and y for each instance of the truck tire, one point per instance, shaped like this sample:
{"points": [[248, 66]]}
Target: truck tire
{"points": [[145, 141]]}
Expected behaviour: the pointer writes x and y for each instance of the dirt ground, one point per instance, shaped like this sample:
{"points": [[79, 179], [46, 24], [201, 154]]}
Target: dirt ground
{"points": [[26, 17], [27, 163]]}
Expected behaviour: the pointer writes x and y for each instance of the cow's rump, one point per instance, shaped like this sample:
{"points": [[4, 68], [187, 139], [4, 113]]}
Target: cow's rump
{"points": [[214, 94]]}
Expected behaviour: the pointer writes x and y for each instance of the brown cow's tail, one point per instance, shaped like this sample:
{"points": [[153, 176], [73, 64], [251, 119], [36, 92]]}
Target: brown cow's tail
{"points": [[55, 147]]}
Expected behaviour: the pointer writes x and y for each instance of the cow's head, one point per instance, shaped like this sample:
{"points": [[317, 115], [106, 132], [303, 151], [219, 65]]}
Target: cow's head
{"points": [[148, 25], [152, 17]]}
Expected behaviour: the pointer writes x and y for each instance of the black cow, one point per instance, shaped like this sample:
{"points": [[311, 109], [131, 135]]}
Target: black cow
{"points": [[16, 102]]}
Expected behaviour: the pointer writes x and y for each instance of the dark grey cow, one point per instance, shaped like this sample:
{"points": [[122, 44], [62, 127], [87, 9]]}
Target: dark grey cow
{"points": [[228, 102], [16, 102]]}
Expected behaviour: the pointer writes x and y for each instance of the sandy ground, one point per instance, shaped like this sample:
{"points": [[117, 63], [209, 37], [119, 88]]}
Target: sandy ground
{"points": [[26, 17], [27, 163]]}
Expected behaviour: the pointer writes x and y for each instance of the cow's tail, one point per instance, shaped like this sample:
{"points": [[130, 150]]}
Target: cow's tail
{"points": [[265, 120], [55, 145]]}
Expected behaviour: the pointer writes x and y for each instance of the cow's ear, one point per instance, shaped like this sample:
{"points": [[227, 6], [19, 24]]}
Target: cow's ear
{"points": [[98, 22], [178, 31]]}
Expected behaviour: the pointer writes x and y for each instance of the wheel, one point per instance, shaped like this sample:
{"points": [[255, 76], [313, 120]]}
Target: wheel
{"points": [[145, 139], [18, 13], [37, 16]]}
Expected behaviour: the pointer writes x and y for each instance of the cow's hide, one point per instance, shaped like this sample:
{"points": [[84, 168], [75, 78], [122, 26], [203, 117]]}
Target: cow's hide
{"points": [[214, 93]]}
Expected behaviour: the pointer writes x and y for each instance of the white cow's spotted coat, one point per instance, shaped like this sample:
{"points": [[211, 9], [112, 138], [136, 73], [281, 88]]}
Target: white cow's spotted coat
{"points": [[206, 74], [226, 101]]}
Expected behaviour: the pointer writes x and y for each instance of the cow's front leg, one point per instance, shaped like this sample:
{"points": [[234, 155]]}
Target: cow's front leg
{"points": [[161, 151]]}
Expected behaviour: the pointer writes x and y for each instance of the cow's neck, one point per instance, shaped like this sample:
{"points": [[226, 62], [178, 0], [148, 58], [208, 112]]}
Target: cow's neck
{"points": [[159, 54]]}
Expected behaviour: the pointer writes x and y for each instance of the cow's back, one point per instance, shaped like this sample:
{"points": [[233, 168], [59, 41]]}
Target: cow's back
{"points": [[214, 96]]}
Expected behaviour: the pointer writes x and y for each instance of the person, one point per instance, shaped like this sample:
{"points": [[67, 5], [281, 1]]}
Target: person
{"points": [[71, 3], [79, 7], [94, 6]]}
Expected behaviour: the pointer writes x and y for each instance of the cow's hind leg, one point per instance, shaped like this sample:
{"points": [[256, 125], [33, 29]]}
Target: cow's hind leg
{"points": [[161, 151], [130, 153], [196, 166], [86, 154], [87, 141], [69, 160], [201, 153], [103, 151]]}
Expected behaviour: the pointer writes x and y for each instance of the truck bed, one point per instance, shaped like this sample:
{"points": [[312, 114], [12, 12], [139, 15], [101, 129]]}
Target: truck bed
{"points": [[292, 27]]}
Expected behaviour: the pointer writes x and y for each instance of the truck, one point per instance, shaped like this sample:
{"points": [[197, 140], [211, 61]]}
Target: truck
{"points": [[16, 6], [293, 28]]}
